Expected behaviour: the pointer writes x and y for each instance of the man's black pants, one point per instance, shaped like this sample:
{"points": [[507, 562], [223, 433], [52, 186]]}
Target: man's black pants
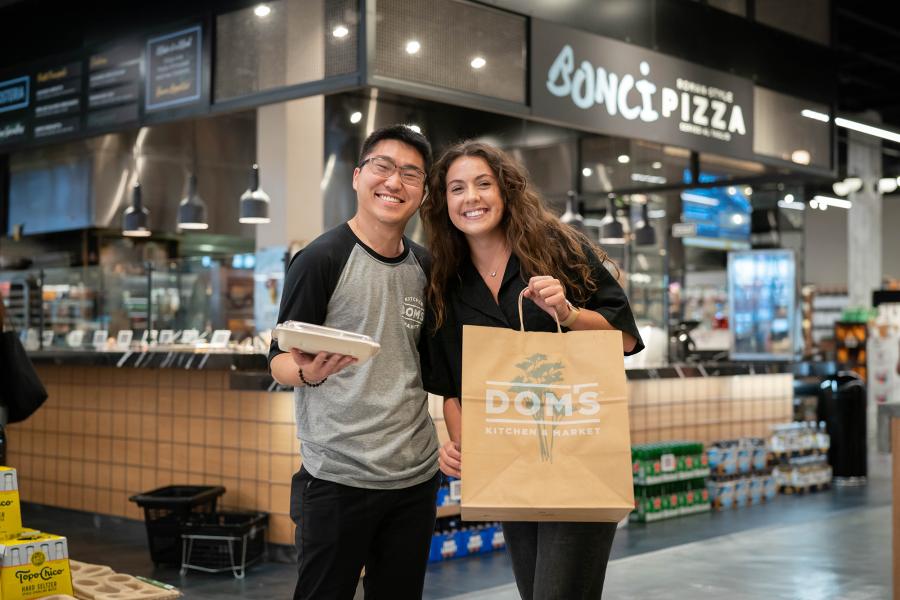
{"points": [[340, 529]]}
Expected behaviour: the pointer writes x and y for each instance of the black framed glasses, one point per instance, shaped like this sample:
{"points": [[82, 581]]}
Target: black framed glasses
{"points": [[384, 167]]}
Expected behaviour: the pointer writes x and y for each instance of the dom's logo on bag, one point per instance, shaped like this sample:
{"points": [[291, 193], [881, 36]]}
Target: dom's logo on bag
{"points": [[537, 403]]}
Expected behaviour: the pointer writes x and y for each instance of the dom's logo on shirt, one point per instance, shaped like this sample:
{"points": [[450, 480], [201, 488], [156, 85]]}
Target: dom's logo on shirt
{"points": [[413, 312]]}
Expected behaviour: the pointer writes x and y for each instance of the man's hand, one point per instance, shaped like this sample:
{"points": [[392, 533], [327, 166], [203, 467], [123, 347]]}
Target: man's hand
{"points": [[450, 459], [317, 367]]}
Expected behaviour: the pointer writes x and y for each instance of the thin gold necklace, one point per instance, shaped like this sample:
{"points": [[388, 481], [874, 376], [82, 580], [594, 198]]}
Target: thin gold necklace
{"points": [[499, 264]]}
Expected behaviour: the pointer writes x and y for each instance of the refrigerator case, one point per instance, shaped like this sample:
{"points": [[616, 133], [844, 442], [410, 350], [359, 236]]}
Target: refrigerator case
{"points": [[762, 299], [884, 355]]}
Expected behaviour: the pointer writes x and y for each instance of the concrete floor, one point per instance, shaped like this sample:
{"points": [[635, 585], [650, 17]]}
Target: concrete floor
{"points": [[834, 544]]}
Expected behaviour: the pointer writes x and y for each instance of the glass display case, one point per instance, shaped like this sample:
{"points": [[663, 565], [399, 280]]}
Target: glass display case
{"points": [[65, 308]]}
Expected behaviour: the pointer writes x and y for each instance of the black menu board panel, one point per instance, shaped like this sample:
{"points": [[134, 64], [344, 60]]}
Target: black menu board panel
{"points": [[114, 81], [57, 100], [110, 117], [60, 82], [174, 69], [56, 127], [15, 95]]}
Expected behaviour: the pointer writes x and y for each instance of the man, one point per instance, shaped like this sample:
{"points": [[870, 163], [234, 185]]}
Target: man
{"points": [[365, 495]]}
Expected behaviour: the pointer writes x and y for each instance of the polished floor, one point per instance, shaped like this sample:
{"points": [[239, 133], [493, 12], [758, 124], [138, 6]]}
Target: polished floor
{"points": [[831, 545]]}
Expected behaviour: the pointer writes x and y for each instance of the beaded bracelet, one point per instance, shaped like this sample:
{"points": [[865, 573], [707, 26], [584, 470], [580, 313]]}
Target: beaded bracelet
{"points": [[310, 383]]}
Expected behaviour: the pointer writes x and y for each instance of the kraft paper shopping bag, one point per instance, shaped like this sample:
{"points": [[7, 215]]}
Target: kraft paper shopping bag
{"points": [[545, 432]]}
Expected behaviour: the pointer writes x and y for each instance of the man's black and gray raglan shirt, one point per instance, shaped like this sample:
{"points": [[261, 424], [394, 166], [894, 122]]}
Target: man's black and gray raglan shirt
{"points": [[367, 426]]}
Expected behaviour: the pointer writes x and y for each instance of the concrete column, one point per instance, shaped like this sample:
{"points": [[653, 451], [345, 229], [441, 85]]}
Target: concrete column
{"points": [[864, 228], [864, 220], [290, 141]]}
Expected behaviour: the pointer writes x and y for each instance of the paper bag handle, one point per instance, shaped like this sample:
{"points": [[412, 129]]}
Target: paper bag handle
{"points": [[522, 318]]}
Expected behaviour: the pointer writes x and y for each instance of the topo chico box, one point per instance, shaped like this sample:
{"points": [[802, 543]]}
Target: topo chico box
{"points": [[10, 510], [34, 567]]}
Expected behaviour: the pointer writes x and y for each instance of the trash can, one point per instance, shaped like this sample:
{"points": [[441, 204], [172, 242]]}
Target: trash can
{"points": [[842, 405], [166, 510]]}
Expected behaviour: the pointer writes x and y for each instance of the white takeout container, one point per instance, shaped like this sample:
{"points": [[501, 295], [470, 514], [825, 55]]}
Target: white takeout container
{"points": [[313, 339]]}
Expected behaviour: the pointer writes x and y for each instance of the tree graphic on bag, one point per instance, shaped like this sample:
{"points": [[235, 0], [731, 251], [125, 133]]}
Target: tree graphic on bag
{"points": [[538, 372]]}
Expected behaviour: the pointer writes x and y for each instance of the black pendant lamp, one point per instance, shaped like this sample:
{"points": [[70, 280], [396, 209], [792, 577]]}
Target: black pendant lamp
{"points": [[254, 201], [135, 217], [572, 216], [645, 235], [192, 210], [611, 229]]}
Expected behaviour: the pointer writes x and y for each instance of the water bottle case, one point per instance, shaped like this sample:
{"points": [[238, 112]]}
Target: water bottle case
{"points": [[313, 339]]}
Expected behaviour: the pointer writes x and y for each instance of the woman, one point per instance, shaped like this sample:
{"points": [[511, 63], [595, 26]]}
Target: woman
{"points": [[490, 238]]}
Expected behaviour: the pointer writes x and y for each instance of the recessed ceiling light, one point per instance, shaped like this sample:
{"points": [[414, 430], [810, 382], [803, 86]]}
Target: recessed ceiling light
{"points": [[732, 191], [801, 157], [356, 117], [748, 191], [478, 62], [587, 172], [262, 11], [624, 159], [340, 31], [657, 165], [788, 197], [413, 47]]}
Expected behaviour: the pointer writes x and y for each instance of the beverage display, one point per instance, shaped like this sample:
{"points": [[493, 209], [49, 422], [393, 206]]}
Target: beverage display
{"points": [[741, 473], [800, 453], [669, 480]]}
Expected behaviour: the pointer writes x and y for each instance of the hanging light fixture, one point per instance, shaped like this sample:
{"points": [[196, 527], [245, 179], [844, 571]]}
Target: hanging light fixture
{"points": [[254, 201], [192, 209], [135, 217], [645, 235], [572, 216], [611, 229]]}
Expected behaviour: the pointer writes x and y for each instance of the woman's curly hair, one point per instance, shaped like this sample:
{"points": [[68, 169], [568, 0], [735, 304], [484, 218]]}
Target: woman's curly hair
{"points": [[543, 244]]}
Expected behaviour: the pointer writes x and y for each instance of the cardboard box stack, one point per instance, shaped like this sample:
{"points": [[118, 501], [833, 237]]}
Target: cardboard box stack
{"points": [[33, 564]]}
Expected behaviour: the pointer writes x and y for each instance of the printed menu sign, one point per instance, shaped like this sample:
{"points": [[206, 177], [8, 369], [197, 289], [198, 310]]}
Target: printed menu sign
{"points": [[14, 99], [57, 100], [113, 86], [174, 69], [59, 82]]}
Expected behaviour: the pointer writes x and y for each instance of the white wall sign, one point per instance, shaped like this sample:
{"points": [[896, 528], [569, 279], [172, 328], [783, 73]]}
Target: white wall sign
{"points": [[220, 338], [123, 339], [189, 336], [99, 338]]}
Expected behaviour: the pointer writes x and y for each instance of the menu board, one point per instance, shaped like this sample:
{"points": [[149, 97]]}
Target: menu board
{"points": [[14, 99], [57, 100], [174, 69], [113, 86]]}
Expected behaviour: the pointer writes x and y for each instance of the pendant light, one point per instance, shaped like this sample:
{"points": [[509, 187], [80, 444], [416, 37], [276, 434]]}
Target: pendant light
{"points": [[611, 229], [254, 201], [135, 217], [572, 216], [192, 210], [645, 235]]}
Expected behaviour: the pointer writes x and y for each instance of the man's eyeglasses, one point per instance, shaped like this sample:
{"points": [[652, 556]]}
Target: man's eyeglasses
{"points": [[384, 167]]}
